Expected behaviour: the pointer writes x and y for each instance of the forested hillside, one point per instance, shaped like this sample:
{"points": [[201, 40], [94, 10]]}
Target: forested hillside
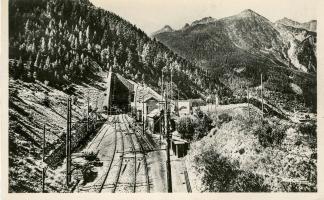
{"points": [[65, 42]]}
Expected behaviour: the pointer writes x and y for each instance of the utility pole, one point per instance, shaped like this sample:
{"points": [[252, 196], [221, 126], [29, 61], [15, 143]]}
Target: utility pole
{"points": [[143, 124], [178, 103], [166, 116], [248, 101], [162, 85], [43, 174], [67, 142], [108, 95], [262, 96], [70, 140], [88, 112], [216, 102], [171, 91]]}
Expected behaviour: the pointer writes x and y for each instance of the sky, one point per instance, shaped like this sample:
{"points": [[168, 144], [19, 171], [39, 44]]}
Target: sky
{"points": [[152, 15]]}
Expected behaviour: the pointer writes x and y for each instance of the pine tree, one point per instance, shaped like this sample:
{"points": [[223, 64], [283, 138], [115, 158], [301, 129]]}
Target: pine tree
{"points": [[43, 45], [88, 34], [27, 26], [75, 45], [89, 47], [115, 65], [130, 61], [49, 45], [80, 38], [36, 63]]}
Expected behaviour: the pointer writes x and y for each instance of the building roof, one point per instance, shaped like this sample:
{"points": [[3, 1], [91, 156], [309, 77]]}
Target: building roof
{"points": [[121, 79], [154, 113], [145, 92], [125, 82], [177, 137]]}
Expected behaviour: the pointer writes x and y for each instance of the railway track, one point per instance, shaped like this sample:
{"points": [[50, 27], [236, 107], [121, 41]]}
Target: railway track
{"points": [[185, 172], [143, 152], [147, 146], [132, 157], [133, 149], [97, 186], [111, 162], [120, 162]]}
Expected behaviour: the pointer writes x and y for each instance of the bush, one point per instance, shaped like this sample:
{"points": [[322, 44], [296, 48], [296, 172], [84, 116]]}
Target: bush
{"points": [[90, 156], [202, 126], [194, 129], [220, 175], [88, 174], [249, 182], [224, 118], [46, 100], [271, 134], [308, 128], [186, 128]]}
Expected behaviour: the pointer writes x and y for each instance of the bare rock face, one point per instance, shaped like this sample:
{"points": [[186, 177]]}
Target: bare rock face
{"points": [[204, 20], [165, 29], [310, 26]]}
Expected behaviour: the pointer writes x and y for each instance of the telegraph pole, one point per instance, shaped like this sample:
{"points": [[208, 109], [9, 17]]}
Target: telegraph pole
{"points": [[248, 101], [166, 116], [143, 125], [178, 102], [88, 112], [70, 139], [67, 142], [171, 91], [43, 174], [262, 96]]}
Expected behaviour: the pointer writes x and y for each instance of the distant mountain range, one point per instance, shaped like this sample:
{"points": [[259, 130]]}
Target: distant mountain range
{"points": [[311, 25], [209, 41], [238, 48]]}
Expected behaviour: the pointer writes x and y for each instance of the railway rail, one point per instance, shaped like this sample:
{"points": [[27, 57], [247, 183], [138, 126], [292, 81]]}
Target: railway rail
{"points": [[99, 185], [128, 143], [143, 152], [120, 162]]}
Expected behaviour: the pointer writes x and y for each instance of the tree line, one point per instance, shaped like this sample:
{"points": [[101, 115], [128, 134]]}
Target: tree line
{"points": [[64, 41]]}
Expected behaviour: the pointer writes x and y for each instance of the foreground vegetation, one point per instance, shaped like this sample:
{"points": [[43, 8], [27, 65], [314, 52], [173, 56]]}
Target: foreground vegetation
{"points": [[242, 155]]}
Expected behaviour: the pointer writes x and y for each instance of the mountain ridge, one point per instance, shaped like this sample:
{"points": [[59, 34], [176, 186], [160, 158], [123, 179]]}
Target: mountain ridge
{"points": [[310, 25], [245, 45]]}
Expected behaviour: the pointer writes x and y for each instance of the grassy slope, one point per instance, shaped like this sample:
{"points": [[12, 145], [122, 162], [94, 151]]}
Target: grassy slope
{"points": [[290, 166], [27, 115]]}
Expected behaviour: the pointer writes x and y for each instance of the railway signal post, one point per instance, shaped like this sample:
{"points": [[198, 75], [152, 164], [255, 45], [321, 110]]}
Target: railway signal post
{"points": [[168, 163], [44, 168]]}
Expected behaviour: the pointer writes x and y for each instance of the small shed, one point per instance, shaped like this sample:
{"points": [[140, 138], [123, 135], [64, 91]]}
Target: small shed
{"points": [[179, 146], [153, 121], [184, 107]]}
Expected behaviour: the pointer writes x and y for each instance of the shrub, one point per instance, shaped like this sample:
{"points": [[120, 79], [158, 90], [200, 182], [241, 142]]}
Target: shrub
{"points": [[46, 100], [271, 134], [220, 175], [194, 129], [202, 126], [308, 128], [186, 128], [249, 182], [224, 118], [88, 174], [90, 156]]}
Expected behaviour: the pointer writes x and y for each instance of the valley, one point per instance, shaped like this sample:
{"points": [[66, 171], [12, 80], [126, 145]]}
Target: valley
{"points": [[219, 105]]}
